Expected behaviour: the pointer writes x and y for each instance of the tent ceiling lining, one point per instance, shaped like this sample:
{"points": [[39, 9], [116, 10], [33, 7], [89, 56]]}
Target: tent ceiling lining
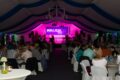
{"points": [[90, 15]]}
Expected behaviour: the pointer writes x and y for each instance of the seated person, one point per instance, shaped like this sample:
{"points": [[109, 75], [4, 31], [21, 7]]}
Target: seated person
{"points": [[88, 51], [26, 54], [105, 51], [99, 61], [79, 54], [114, 51]]}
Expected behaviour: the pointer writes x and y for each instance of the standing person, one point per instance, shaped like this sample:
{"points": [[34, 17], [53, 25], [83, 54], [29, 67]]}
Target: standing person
{"points": [[52, 42], [67, 40], [35, 52], [52, 39], [44, 57], [11, 51], [22, 40]]}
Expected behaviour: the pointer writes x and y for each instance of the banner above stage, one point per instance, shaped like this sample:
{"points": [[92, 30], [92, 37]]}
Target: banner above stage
{"points": [[57, 31]]}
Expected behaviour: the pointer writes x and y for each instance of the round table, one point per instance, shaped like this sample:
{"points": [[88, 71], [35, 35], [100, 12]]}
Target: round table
{"points": [[15, 74]]}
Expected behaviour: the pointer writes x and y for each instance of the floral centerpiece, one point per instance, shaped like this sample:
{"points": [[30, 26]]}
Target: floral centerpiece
{"points": [[4, 70]]}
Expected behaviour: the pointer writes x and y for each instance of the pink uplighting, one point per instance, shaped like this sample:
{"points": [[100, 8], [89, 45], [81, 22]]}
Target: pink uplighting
{"points": [[72, 29], [41, 30]]}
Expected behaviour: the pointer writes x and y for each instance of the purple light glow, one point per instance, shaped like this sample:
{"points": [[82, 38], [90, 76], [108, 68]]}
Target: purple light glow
{"points": [[70, 29]]}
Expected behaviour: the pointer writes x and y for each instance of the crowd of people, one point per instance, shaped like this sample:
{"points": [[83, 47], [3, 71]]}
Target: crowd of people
{"points": [[98, 52], [22, 51], [101, 50]]}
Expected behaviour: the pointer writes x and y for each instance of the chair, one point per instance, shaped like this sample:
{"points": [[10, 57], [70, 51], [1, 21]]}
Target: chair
{"points": [[75, 64], [32, 64], [13, 63], [99, 73], [117, 77], [40, 68], [85, 75]]}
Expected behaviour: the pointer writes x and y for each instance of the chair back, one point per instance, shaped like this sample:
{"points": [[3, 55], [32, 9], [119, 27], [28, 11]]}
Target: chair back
{"points": [[13, 63], [31, 64], [117, 77], [84, 64], [85, 75], [99, 73]]}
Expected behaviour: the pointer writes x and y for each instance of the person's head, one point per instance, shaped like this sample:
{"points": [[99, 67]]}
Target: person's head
{"points": [[112, 48], [82, 46], [89, 46], [24, 48], [98, 53]]}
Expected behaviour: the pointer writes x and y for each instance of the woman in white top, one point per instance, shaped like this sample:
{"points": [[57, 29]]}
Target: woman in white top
{"points": [[99, 61], [99, 70]]}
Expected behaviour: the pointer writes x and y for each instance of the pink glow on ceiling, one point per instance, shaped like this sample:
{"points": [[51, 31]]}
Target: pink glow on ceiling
{"points": [[41, 30]]}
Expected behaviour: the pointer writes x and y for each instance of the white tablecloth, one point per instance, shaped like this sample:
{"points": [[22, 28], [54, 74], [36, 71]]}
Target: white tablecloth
{"points": [[15, 74]]}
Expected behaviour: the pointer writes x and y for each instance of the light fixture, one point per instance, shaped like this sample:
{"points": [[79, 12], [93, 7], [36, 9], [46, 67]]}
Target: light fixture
{"points": [[56, 14]]}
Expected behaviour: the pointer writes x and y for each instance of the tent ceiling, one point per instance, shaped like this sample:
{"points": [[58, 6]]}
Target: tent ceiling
{"points": [[19, 16]]}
